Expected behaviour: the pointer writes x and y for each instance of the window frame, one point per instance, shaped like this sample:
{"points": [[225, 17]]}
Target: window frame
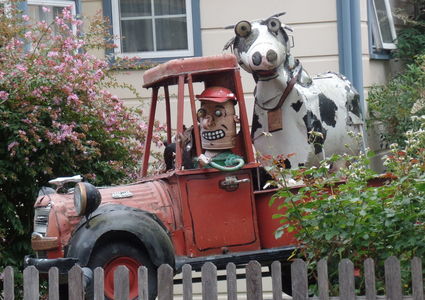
{"points": [[377, 45], [58, 3], [116, 30]]}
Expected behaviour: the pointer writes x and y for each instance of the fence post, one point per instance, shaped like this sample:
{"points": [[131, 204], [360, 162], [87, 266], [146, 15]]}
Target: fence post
{"points": [[277, 280], [323, 282], [165, 282], [31, 283], [8, 284], [392, 279], [346, 280], [299, 280], [187, 282], [369, 274], [232, 288], [75, 283], [53, 283], [143, 283], [417, 279], [254, 286], [98, 284], [209, 281], [121, 283]]}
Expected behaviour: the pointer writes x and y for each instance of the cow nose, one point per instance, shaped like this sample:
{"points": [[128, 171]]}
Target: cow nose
{"points": [[256, 58], [271, 56]]}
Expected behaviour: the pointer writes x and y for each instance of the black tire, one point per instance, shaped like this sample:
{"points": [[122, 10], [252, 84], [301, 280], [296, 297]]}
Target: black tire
{"points": [[109, 255]]}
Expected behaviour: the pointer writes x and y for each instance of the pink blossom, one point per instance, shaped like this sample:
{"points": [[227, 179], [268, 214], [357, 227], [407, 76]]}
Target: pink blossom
{"points": [[12, 145], [21, 68], [52, 54], [46, 9], [72, 97], [4, 95], [25, 18]]}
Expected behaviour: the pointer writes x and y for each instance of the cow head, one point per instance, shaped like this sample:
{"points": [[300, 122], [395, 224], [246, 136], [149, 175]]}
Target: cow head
{"points": [[260, 46]]}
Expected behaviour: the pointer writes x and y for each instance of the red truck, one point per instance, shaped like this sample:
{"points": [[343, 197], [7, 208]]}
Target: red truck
{"points": [[182, 216]]}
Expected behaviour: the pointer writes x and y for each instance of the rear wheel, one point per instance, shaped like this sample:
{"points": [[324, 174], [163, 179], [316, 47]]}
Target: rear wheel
{"points": [[110, 256]]}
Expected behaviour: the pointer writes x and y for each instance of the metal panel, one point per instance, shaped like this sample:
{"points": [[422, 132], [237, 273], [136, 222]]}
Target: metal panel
{"points": [[220, 218]]}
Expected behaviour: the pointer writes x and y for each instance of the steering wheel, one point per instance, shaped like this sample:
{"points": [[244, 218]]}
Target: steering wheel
{"points": [[229, 164]]}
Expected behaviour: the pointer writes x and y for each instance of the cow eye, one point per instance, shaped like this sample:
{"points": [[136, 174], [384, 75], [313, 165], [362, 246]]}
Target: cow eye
{"points": [[218, 113], [243, 28], [201, 113], [273, 24]]}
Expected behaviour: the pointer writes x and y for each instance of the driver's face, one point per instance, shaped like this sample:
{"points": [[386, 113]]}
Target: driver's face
{"points": [[218, 124]]}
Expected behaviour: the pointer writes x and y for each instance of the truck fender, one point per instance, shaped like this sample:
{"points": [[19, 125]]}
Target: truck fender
{"points": [[112, 220]]}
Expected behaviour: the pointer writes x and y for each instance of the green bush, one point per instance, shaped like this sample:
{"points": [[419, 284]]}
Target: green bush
{"points": [[56, 118], [352, 219], [411, 35], [395, 103]]}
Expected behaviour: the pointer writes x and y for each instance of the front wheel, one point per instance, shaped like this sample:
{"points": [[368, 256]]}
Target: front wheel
{"points": [[111, 255]]}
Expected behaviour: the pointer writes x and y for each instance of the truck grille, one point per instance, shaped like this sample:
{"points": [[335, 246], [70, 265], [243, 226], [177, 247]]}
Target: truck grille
{"points": [[41, 219]]}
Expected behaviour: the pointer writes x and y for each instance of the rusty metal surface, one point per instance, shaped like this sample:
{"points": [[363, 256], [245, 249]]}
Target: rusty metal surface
{"points": [[44, 243], [267, 225], [167, 73], [154, 197], [218, 221]]}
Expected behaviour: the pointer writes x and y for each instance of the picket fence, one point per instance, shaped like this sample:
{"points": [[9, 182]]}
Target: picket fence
{"points": [[254, 290]]}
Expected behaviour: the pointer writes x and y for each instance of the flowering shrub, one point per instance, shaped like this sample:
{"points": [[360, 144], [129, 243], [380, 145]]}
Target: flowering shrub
{"points": [[56, 118], [354, 219]]}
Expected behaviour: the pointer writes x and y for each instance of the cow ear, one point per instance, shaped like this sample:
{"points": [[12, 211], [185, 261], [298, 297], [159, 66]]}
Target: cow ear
{"points": [[229, 43]]}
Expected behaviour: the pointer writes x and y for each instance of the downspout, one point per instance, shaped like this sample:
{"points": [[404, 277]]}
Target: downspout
{"points": [[350, 48]]}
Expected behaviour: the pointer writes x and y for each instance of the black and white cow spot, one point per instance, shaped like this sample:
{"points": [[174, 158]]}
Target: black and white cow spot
{"points": [[354, 105], [316, 134], [242, 45], [297, 105], [255, 124], [328, 110]]}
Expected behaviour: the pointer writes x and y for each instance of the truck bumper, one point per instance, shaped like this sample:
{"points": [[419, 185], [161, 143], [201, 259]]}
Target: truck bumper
{"points": [[264, 256], [44, 264]]}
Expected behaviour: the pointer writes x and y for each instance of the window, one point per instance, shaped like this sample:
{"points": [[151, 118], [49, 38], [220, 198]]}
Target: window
{"points": [[153, 28], [47, 10], [383, 34]]}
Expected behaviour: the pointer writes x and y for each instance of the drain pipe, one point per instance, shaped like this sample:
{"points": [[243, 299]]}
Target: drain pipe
{"points": [[350, 49]]}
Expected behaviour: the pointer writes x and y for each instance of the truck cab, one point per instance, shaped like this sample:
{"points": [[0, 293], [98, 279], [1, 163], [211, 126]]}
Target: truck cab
{"points": [[188, 214]]}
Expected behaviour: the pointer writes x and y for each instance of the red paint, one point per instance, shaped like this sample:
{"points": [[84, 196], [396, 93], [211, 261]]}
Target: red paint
{"points": [[132, 266]]}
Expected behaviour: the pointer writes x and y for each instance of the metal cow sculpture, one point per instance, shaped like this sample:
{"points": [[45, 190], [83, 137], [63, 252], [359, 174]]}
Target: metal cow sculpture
{"points": [[309, 117]]}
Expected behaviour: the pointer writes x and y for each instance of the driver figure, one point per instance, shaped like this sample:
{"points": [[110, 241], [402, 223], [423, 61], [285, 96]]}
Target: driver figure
{"points": [[217, 121]]}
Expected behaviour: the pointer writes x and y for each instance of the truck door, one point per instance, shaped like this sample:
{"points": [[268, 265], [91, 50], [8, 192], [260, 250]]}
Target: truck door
{"points": [[222, 214]]}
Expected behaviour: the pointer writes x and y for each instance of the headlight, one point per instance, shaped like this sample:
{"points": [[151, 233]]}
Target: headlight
{"points": [[86, 198]]}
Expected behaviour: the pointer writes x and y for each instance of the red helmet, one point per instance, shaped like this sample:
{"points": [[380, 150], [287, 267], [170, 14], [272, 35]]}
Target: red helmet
{"points": [[217, 94]]}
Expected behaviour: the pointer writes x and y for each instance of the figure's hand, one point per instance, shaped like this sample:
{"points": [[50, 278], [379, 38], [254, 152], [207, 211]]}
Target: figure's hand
{"points": [[204, 160]]}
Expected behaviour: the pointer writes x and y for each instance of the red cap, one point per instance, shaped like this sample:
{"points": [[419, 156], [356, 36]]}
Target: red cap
{"points": [[217, 94]]}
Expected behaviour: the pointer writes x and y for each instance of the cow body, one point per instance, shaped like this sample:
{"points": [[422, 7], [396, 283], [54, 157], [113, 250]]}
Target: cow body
{"points": [[318, 112]]}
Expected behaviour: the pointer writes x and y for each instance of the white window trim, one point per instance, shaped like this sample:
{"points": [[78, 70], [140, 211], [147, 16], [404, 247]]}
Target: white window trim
{"points": [[116, 27], [376, 29], [61, 3]]}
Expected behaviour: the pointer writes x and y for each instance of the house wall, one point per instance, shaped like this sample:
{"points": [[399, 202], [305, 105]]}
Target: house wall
{"points": [[315, 37]]}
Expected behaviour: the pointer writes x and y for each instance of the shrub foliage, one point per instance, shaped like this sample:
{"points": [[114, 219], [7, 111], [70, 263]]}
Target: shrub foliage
{"points": [[56, 118], [344, 214]]}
